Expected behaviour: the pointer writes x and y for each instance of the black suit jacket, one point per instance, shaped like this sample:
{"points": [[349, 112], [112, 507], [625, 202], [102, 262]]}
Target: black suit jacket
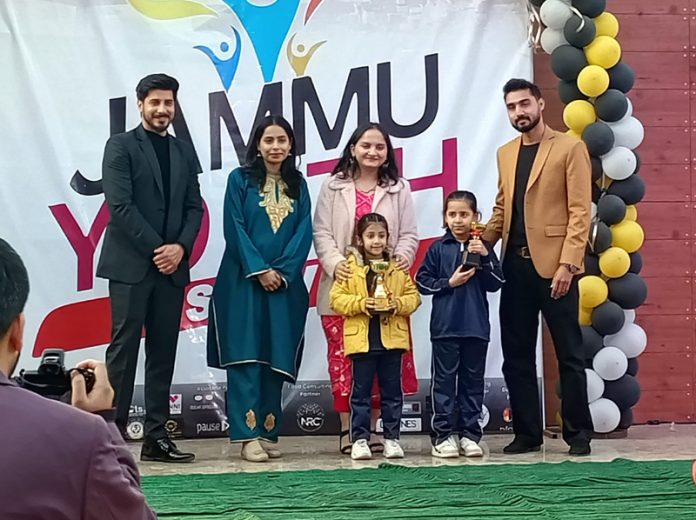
{"points": [[133, 189]]}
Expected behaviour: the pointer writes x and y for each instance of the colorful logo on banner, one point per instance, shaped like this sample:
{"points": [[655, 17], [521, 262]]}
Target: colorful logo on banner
{"points": [[267, 27]]}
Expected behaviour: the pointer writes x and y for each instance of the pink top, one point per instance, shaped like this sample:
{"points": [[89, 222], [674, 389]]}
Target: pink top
{"points": [[363, 204]]}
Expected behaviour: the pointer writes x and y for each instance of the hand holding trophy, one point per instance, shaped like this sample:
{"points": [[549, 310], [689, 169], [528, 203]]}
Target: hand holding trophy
{"points": [[472, 259], [381, 297]]}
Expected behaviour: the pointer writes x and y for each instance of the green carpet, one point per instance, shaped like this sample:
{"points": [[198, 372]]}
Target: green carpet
{"points": [[660, 490]]}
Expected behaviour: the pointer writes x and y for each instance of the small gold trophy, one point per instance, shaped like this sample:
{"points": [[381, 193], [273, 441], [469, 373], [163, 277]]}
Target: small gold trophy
{"points": [[378, 290], [470, 260]]}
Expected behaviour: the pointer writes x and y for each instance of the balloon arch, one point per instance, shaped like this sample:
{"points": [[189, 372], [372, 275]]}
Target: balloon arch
{"points": [[580, 36]]}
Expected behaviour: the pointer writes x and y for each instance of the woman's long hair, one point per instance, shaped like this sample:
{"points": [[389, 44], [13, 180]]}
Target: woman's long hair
{"points": [[254, 166], [347, 167]]}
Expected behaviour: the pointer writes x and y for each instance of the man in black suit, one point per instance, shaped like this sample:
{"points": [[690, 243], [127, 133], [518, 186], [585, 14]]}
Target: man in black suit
{"points": [[150, 181]]}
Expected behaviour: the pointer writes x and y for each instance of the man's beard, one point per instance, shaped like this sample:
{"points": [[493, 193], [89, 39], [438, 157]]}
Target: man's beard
{"points": [[155, 125], [533, 122]]}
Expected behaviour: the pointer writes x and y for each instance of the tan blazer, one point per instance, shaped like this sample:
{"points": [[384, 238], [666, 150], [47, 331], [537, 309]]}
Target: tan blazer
{"points": [[557, 201]]}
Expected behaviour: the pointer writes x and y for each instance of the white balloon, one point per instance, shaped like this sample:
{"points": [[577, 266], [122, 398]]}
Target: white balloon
{"points": [[630, 315], [631, 340], [593, 210], [610, 363], [605, 415], [595, 385], [619, 163], [551, 39], [555, 14], [628, 132], [629, 112]]}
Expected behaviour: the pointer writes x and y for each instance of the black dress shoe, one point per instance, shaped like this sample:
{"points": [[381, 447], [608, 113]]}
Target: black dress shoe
{"points": [[163, 450], [579, 449], [521, 446]]}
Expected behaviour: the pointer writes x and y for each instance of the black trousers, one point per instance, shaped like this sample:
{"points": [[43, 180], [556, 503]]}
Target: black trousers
{"points": [[457, 387], [154, 303], [387, 366], [523, 295]]}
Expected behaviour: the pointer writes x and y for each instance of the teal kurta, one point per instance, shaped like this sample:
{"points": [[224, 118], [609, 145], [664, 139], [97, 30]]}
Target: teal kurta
{"points": [[248, 324]]}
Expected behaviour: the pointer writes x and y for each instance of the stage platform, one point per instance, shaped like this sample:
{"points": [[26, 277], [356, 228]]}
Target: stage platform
{"points": [[658, 442]]}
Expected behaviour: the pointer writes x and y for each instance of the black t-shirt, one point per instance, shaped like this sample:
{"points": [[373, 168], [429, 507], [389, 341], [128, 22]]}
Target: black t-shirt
{"points": [[161, 146], [525, 160], [374, 333]]}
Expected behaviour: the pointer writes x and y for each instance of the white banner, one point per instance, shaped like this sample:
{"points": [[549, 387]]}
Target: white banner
{"points": [[431, 72]]}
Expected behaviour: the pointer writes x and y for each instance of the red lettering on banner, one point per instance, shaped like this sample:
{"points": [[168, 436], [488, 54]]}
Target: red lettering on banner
{"points": [[83, 245]]}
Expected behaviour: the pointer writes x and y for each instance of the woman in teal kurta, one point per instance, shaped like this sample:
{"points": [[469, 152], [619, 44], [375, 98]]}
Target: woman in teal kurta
{"points": [[260, 301]]}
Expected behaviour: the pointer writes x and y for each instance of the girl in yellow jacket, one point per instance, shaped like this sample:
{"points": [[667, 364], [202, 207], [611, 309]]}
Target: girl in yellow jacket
{"points": [[377, 301]]}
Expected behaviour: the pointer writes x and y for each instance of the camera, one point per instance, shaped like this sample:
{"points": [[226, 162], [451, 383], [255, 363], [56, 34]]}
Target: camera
{"points": [[51, 379]]}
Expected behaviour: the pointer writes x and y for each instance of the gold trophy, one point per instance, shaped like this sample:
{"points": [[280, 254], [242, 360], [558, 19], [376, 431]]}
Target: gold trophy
{"points": [[470, 260], [378, 290]]}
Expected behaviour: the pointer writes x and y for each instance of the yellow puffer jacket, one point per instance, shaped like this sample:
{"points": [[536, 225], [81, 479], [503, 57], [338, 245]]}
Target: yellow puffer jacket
{"points": [[348, 299]]}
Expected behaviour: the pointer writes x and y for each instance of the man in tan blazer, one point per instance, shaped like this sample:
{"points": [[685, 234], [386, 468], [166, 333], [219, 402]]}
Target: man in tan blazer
{"points": [[542, 214]]}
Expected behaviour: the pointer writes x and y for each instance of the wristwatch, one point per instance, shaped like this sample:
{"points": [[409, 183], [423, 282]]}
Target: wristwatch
{"points": [[572, 269]]}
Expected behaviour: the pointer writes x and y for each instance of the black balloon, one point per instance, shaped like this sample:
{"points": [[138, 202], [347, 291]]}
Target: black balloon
{"points": [[592, 264], [632, 369], [611, 209], [621, 77], [599, 138], [608, 318], [612, 105], [568, 91], [600, 237], [537, 3], [596, 168], [625, 391], [591, 341], [579, 38], [631, 190], [636, 263], [637, 161], [626, 419], [591, 8], [629, 291], [567, 62]]}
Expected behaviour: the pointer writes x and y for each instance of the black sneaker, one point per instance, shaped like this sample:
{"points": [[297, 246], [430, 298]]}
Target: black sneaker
{"points": [[579, 449], [520, 446], [163, 450]]}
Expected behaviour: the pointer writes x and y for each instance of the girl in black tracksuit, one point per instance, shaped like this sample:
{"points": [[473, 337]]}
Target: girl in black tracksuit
{"points": [[459, 327]]}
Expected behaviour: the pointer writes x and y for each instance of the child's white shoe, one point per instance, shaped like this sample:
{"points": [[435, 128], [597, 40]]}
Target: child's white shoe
{"points": [[446, 449], [360, 450], [469, 448], [392, 449]]}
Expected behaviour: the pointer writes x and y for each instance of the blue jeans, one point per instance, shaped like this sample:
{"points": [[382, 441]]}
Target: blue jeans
{"points": [[387, 366]]}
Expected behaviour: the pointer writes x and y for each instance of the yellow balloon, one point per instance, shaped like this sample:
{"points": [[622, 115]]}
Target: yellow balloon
{"points": [[627, 235], [614, 262], [578, 114], [593, 80], [593, 292], [631, 213], [607, 25], [559, 420], [603, 51], [574, 134], [584, 316]]}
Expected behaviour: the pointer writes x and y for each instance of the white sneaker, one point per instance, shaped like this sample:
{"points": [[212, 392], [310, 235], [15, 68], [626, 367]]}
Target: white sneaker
{"points": [[469, 448], [447, 449], [360, 450], [392, 449]]}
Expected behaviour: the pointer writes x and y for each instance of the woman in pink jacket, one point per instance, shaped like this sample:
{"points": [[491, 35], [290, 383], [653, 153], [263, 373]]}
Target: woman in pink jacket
{"points": [[365, 180]]}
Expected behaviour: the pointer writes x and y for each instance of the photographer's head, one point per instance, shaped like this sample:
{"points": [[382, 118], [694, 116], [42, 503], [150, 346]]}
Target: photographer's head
{"points": [[14, 290]]}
